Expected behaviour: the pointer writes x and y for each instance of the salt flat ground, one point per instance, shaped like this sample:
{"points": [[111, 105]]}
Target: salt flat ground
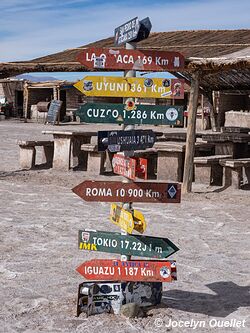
{"points": [[40, 219]]}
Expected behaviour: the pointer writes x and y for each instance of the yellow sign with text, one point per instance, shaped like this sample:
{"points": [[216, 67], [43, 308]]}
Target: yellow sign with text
{"points": [[110, 86], [126, 220]]}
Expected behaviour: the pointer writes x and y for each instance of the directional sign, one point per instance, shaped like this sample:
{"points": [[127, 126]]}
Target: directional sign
{"points": [[126, 220], [134, 114], [122, 59], [134, 270], [110, 191], [116, 141], [130, 167], [127, 31], [132, 245], [112, 86]]}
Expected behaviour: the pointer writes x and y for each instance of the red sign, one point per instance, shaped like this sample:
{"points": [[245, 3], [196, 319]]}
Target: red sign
{"points": [[111, 191], [130, 167], [134, 270], [122, 59]]}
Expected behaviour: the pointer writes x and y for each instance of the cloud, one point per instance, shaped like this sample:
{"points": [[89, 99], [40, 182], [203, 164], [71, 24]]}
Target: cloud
{"points": [[36, 28]]}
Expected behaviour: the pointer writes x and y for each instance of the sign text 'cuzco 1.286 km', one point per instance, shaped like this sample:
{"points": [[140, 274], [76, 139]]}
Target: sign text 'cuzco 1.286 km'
{"points": [[112, 86], [116, 141], [133, 270], [110, 191], [130, 113], [132, 245], [122, 59]]}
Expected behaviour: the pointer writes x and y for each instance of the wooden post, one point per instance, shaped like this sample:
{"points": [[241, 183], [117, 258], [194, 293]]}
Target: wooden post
{"points": [[202, 112], [25, 101], [190, 141], [128, 205]]}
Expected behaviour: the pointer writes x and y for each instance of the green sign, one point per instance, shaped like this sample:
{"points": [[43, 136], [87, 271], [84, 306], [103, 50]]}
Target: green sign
{"points": [[132, 245], [130, 113]]}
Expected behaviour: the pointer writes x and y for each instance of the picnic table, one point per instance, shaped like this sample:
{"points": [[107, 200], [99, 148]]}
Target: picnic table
{"points": [[229, 143], [67, 148]]}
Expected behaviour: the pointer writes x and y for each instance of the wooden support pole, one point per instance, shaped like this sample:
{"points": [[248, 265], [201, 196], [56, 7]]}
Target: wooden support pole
{"points": [[190, 141], [25, 101]]}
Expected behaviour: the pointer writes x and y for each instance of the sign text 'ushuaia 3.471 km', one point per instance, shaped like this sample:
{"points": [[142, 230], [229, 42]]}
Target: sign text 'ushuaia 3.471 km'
{"points": [[112, 283]]}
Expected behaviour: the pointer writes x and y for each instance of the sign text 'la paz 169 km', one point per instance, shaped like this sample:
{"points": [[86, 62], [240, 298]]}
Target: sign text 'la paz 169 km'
{"points": [[122, 59], [112, 86], [132, 245], [134, 270], [110, 191], [130, 113]]}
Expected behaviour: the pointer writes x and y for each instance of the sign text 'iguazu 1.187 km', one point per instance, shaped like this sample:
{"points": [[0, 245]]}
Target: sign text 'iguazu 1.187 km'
{"points": [[133, 270]]}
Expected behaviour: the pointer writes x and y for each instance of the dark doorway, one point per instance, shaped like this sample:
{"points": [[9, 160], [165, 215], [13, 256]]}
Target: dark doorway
{"points": [[18, 110], [63, 108]]}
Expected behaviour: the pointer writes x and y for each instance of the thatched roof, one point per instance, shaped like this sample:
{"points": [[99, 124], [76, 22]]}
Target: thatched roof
{"points": [[226, 52]]}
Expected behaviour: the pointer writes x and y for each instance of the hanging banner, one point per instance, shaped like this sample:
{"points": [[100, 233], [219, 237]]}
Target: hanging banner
{"points": [[112, 86]]}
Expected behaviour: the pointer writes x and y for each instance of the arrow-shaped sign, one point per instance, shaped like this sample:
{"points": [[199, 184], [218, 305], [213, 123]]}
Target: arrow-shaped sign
{"points": [[113, 86], [122, 59], [110, 191], [134, 114], [130, 245], [116, 141], [130, 167], [134, 270]]}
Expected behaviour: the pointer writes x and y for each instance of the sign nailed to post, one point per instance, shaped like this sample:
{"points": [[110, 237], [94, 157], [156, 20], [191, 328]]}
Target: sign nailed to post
{"points": [[130, 167], [132, 31], [132, 245], [134, 270], [130, 113], [126, 220], [111, 191], [116, 141], [112, 86], [122, 59]]}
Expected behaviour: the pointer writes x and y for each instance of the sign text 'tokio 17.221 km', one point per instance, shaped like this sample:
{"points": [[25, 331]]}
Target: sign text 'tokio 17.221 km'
{"points": [[132, 245], [112, 86]]}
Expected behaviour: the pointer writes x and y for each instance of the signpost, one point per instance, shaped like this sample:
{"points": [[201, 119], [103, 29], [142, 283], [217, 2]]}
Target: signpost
{"points": [[110, 191], [129, 115], [122, 59], [126, 220], [112, 86], [131, 245], [134, 270], [116, 141], [130, 167]]}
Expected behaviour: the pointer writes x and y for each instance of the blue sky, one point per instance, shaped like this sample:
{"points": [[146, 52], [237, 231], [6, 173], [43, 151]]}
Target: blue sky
{"points": [[33, 28]]}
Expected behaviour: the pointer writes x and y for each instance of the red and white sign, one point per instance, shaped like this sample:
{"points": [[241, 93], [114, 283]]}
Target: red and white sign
{"points": [[130, 167], [122, 59], [133, 270]]}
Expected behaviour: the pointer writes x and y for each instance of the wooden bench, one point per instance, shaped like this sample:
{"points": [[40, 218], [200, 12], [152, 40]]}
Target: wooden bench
{"points": [[28, 153], [233, 172], [207, 169], [97, 162]]}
